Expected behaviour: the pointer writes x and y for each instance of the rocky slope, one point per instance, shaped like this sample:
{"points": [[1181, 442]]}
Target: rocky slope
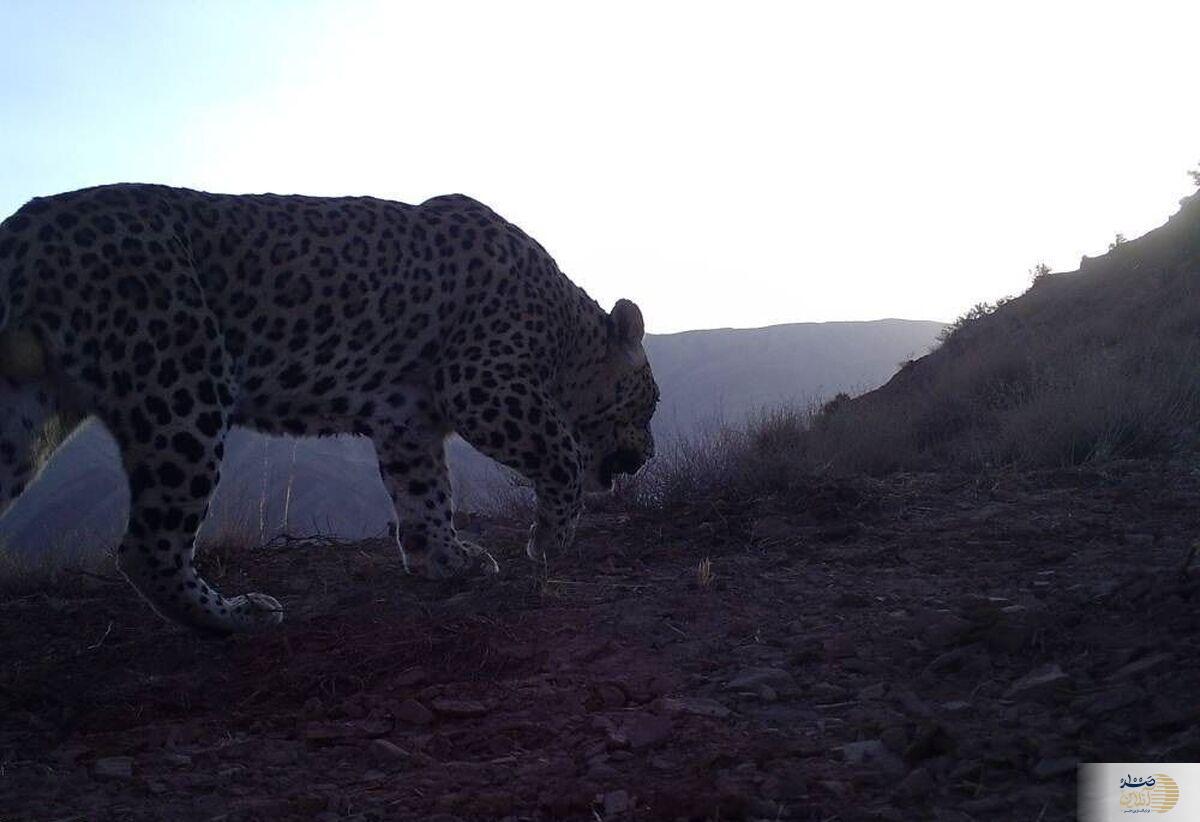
{"points": [[933, 646]]}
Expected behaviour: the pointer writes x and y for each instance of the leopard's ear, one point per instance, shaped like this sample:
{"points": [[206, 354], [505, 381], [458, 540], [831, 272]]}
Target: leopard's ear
{"points": [[625, 332]]}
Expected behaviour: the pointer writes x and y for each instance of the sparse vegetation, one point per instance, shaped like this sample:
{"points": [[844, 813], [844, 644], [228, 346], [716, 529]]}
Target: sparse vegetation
{"points": [[1039, 273]]}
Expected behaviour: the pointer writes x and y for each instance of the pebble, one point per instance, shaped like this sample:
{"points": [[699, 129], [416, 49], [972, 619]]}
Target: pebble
{"points": [[413, 712], [1039, 683], [616, 802], [1144, 666], [647, 730], [113, 767], [916, 785], [1051, 768], [383, 751], [695, 705], [751, 679], [459, 708]]}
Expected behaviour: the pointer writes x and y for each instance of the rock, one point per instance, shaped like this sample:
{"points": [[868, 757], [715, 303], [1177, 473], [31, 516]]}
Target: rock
{"points": [[330, 732], [411, 677], [1112, 700], [828, 692], [751, 679], [610, 695], [942, 629], [931, 739], [916, 785], [616, 802], [695, 705], [113, 767], [69, 754], [1143, 667], [278, 752], [459, 708], [895, 738], [645, 730], [389, 753], [1012, 631], [413, 712], [1041, 683], [1053, 768], [876, 691], [871, 752], [772, 528], [956, 707], [840, 646]]}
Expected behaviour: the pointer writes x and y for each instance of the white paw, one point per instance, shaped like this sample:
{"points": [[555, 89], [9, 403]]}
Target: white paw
{"points": [[254, 612], [467, 559]]}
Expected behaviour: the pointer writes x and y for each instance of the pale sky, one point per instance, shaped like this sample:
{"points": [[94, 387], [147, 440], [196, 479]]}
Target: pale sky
{"points": [[739, 164]]}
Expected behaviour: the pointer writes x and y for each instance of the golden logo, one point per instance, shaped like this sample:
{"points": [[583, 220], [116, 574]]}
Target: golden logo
{"points": [[1156, 793]]}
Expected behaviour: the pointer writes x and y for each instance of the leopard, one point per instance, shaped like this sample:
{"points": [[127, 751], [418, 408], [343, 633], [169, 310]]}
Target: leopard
{"points": [[171, 315]]}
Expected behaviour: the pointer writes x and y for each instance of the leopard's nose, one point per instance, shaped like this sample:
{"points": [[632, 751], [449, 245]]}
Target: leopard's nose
{"points": [[627, 461]]}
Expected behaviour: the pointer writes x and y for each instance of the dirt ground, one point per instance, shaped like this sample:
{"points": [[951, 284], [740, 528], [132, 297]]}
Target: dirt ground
{"points": [[917, 647]]}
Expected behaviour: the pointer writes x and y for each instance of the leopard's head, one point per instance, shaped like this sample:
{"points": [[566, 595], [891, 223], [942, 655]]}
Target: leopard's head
{"points": [[615, 398]]}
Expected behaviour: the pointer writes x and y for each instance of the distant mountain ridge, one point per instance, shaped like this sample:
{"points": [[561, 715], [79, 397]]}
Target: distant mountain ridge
{"points": [[731, 372], [332, 486]]}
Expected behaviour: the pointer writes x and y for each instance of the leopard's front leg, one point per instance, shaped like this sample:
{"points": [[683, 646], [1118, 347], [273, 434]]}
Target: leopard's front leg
{"points": [[412, 463], [518, 424]]}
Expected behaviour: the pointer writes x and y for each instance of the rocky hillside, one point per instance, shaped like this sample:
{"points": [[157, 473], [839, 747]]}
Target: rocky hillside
{"points": [[941, 646], [1087, 365]]}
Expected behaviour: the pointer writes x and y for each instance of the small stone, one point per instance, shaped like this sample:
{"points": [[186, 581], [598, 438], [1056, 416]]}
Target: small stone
{"points": [[942, 629], [916, 785], [390, 753], [1113, 700], [647, 730], [68, 754], [895, 738], [280, 753], [695, 705], [768, 694], [313, 706], [459, 708], [413, 712], [177, 759], [772, 528], [610, 695], [1144, 666], [1056, 767], [113, 767], [411, 677], [155, 787], [931, 739], [1046, 681], [616, 802], [840, 646], [956, 707], [876, 691], [751, 679], [871, 752]]}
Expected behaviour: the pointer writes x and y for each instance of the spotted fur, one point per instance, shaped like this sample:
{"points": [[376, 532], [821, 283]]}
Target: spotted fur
{"points": [[172, 315]]}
